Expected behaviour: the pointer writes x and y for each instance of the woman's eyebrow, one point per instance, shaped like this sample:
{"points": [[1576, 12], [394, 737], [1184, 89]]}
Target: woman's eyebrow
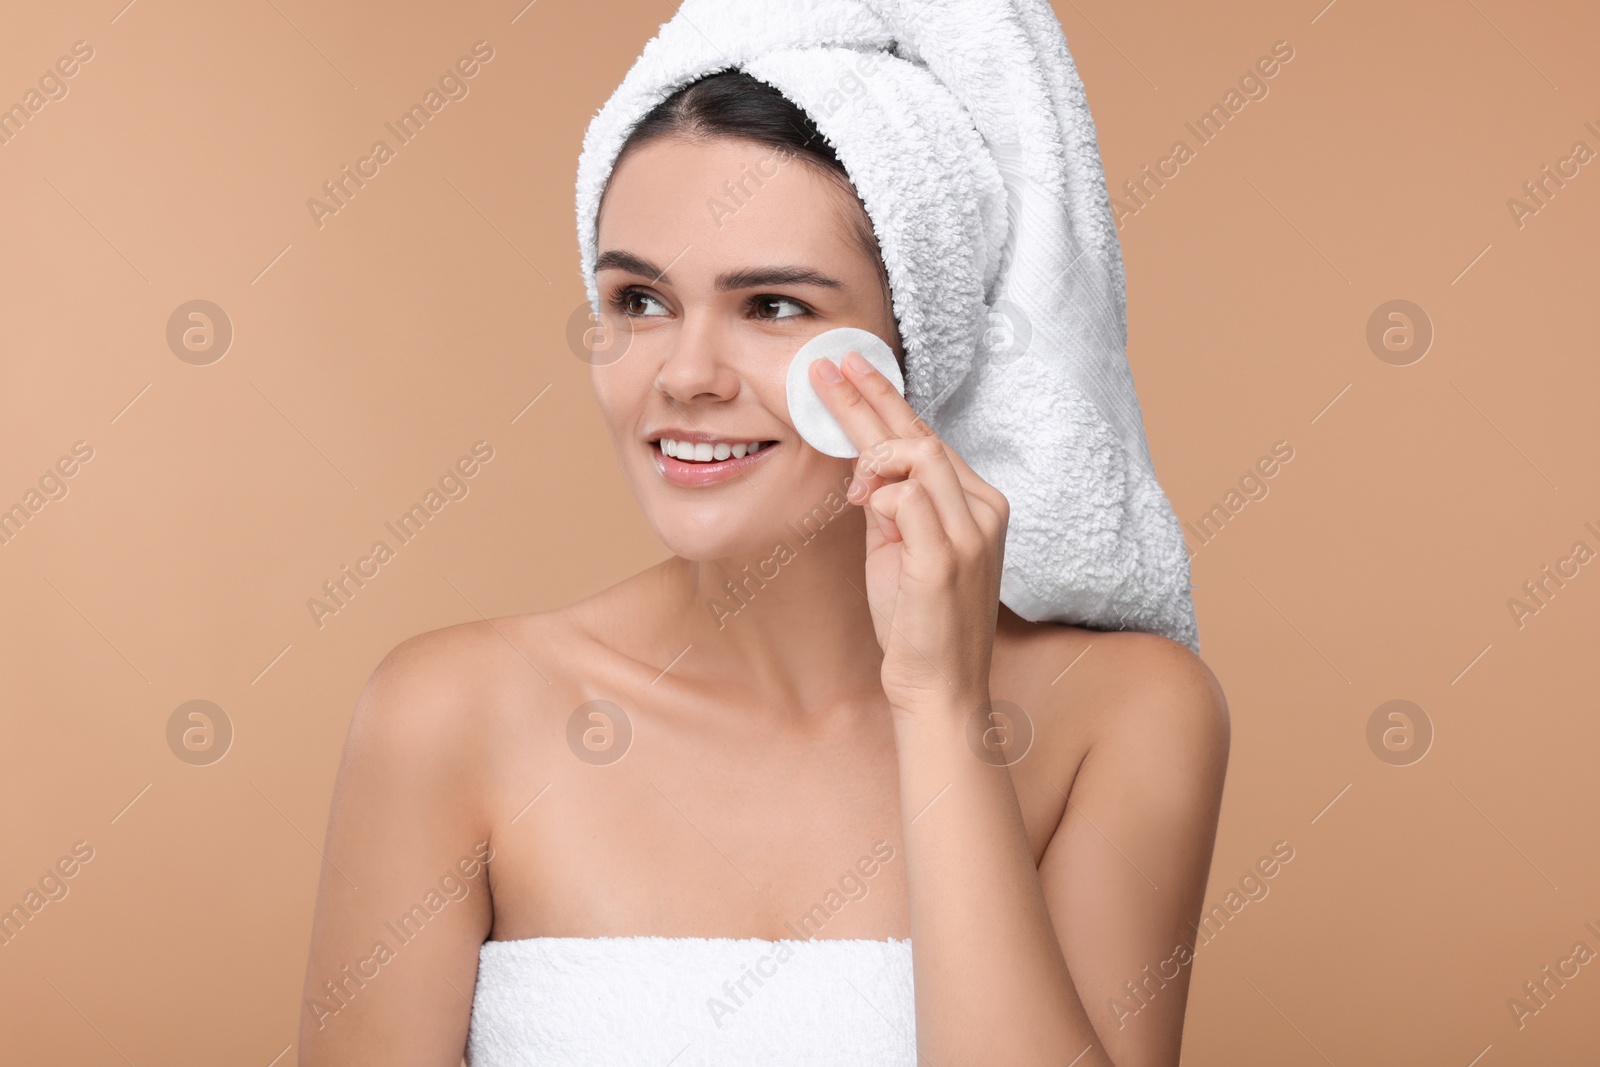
{"points": [[745, 278], [753, 277], [615, 259]]}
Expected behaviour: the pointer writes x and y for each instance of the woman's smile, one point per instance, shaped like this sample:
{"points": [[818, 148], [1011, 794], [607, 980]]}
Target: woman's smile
{"points": [[692, 460]]}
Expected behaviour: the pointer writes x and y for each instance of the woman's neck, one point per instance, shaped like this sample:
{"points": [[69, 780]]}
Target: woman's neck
{"points": [[791, 623]]}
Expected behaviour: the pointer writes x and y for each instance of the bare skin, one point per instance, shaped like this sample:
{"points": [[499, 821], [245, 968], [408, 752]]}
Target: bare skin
{"points": [[773, 747]]}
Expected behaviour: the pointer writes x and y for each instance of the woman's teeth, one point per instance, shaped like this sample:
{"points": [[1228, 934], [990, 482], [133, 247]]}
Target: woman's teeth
{"points": [[705, 451]]}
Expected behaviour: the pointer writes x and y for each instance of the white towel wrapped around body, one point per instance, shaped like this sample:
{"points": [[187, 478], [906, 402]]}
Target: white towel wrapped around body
{"points": [[692, 1002], [964, 127]]}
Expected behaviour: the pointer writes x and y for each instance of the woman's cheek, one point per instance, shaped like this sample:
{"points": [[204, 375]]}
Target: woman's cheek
{"points": [[618, 391]]}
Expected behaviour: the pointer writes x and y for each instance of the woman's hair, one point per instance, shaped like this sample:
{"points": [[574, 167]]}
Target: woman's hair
{"points": [[733, 104]]}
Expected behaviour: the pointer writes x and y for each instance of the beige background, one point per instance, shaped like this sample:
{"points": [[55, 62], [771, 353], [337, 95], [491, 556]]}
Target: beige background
{"points": [[431, 310]]}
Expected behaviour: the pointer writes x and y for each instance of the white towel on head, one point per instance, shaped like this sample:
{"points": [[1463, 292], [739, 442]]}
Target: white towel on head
{"points": [[965, 130]]}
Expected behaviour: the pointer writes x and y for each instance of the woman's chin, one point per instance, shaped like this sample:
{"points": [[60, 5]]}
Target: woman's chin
{"points": [[711, 532], [698, 549], [703, 535]]}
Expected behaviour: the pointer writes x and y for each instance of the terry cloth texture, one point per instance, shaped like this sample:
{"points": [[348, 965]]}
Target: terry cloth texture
{"points": [[692, 1002]]}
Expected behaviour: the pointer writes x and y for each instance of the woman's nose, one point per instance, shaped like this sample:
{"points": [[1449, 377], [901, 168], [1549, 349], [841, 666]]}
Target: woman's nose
{"points": [[698, 366]]}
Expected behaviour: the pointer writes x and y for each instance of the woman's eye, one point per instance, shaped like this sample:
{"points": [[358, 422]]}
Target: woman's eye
{"points": [[760, 303], [630, 301]]}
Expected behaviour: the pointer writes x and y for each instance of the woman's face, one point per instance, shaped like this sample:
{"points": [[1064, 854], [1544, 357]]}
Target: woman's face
{"points": [[722, 258]]}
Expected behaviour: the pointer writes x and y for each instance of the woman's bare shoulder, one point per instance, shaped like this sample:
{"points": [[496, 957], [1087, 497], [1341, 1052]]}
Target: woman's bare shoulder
{"points": [[458, 689], [1142, 668], [1116, 680], [444, 691], [469, 665]]}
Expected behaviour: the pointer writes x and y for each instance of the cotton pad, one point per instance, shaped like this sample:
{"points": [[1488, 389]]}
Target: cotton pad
{"points": [[806, 409]]}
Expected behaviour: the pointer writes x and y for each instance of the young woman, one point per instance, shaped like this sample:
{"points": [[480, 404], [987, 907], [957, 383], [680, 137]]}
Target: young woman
{"points": [[779, 738]]}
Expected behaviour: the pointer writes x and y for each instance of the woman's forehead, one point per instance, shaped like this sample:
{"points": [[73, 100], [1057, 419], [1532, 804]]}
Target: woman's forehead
{"points": [[724, 194]]}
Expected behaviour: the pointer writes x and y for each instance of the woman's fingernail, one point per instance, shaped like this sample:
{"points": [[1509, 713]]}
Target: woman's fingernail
{"points": [[857, 362], [828, 372]]}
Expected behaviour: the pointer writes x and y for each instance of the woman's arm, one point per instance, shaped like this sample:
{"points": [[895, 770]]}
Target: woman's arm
{"points": [[993, 983], [1126, 869], [1020, 966], [403, 904]]}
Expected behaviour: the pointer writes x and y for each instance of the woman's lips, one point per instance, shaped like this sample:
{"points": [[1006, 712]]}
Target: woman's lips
{"points": [[692, 475]]}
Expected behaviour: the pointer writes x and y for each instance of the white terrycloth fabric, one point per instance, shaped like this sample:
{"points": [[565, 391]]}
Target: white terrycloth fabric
{"points": [[964, 127], [655, 1001]]}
